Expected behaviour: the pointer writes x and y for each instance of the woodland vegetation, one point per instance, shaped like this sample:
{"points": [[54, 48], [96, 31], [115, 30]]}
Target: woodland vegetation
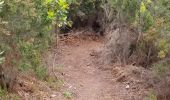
{"points": [[29, 27]]}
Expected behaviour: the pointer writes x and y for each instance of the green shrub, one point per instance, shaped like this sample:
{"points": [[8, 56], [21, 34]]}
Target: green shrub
{"points": [[160, 68], [28, 28], [41, 72], [151, 95], [54, 83], [3, 94], [67, 94]]}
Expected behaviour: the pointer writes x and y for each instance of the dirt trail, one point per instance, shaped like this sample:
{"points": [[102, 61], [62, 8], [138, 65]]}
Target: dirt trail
{"points": [[82, 77]]}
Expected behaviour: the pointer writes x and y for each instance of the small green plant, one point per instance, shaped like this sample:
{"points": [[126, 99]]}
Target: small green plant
{"points": [[41, 72], [160, 68], [54, 83], [67, 94], [31, 59], [151, 95], [3, 94], [27, 26], [16, 97]]}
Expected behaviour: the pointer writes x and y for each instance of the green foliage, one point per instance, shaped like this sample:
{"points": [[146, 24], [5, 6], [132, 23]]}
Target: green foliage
{"points": [[29, 53], [1, 4], [164, 30], [148, 17], [84, 6], [31, 59], [57, 11], [3, 94], [54, 83], [152, 95], [67, 94], [126, 8], [41, 72], [88, 6], [83, 9], [26, 26], [133, 12], [160, 68], [16, 98], [158, 36], [159, 33]]}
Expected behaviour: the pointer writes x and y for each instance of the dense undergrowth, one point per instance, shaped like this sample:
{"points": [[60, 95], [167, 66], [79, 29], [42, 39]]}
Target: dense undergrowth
{"points": [[27, 29]]}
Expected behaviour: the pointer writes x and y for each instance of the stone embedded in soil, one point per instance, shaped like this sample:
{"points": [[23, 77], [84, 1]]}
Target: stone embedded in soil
{"points": [[127, 87], [53, 95]]}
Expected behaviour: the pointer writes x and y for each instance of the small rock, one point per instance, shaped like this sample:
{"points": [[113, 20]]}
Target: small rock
{"points": [[53, 95], [88, 64], [70, 87], [127, 86]]}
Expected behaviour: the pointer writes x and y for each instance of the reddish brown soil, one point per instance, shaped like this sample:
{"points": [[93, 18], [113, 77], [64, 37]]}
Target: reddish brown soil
{"points": [[77, 61], [85, 79]]}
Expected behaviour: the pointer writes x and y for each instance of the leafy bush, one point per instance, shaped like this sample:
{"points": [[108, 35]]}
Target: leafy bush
{"points": [[67, 94], [82, 12], [158, 35], [28, 28], [150, 19], [4, 95]]}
